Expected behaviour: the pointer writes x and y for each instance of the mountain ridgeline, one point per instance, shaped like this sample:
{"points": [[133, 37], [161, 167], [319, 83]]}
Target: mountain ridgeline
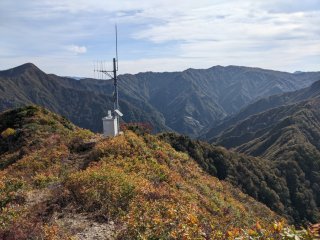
{"points": [[83, 102], [265, 104], [187, 102], [58, 181]]}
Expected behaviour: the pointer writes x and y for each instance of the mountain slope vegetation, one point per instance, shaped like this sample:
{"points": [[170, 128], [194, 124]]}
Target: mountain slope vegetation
{"points": [[260, 178], [58, 181], [187, 102], [265, 104], [289, 137]]}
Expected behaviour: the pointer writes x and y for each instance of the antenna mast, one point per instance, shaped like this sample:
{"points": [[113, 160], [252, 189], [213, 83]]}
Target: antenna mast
{"points": [[111, 123], [115, 69]]}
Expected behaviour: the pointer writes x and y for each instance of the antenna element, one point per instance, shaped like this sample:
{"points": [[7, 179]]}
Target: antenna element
{"points": [[111, 123]]}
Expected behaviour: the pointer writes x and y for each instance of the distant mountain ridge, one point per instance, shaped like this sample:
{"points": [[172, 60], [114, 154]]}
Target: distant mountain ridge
{"points": [[196, 98], [187, 102], [83, 103], [265, 104]]}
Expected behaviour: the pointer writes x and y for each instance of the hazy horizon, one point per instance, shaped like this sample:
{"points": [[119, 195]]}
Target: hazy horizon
{"points": [[105, 77]]}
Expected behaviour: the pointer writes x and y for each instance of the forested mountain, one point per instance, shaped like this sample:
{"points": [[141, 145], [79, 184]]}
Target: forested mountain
{"points": [[288, 186], [58, 181], [264, 104], [193, 99], [83, 102], [289, 137], [187, 102]]}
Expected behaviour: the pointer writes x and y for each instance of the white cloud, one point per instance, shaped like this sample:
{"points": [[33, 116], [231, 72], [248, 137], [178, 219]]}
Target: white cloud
{"points": [[162, 35], [77, 49], [241, 33]]}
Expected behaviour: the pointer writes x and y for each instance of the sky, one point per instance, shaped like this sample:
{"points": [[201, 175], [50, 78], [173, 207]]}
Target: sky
{"points": [[66, 37]]}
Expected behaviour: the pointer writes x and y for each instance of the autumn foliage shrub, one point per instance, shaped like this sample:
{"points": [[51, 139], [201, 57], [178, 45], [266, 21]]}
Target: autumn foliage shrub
{"points": [[9, 190], [8, 132], [158, 193], [138, 128], [42, 180], [103, 189]]}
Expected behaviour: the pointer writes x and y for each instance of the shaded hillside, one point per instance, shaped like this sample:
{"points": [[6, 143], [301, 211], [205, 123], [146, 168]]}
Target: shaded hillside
{"points": [[263, 105], [187, 102], [193, 99], [59, 181], [289, 137], [29, 85], [260, 178]]}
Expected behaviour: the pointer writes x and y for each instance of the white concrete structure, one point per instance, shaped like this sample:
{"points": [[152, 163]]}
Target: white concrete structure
{"points": [[110, 125]]}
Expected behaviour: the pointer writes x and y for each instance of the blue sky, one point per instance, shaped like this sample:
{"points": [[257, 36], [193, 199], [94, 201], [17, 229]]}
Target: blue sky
{"points": [[66, 37]]}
